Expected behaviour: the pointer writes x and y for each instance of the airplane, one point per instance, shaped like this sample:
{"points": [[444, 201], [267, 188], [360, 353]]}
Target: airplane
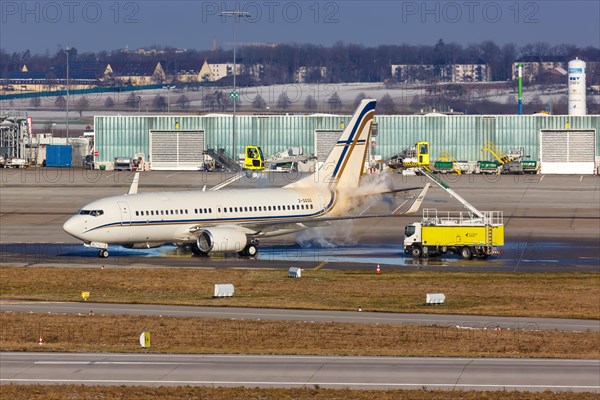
{"points": [[234, 220]]}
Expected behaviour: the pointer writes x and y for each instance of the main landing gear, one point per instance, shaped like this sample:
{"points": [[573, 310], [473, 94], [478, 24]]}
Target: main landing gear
{"points": [[103, 253], [250, 250]]}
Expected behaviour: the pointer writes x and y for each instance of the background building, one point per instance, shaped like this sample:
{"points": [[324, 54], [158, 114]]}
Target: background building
{"points": [[461, 135], [449, 73]]}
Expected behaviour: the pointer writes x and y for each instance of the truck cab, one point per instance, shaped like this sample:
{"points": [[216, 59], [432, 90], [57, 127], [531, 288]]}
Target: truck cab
{"points": [[254, 159], [422, 154], [413, 239], [412, 234]]}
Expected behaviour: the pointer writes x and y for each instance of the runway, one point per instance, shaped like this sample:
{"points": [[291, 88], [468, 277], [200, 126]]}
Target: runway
{"points": [[518, 257], [461, 321], [301, 371]]}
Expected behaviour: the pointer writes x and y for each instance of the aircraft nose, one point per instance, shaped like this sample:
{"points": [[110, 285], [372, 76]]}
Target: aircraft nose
{"points": [[70, 227]]}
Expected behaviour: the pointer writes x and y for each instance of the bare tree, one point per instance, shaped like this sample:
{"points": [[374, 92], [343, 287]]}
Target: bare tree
{"points": [[183, 102], [310, 104], [386, 104], [82, 105], [259, 103], [159, 102], [359, 97], [335, 103], [217, 101], [283, 101], [35, 102], [109, 102], [60, 102], [132, 100]]}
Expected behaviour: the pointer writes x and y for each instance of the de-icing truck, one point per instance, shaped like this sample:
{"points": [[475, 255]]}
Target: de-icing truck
{"points": [[459, 233], [471, 234]]}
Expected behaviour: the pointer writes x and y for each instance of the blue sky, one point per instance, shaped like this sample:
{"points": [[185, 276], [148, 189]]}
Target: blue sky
{"points": [[107, 25]]}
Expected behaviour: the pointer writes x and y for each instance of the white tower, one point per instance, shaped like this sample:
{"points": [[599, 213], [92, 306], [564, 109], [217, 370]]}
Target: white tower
{"points": [[577, 105]]}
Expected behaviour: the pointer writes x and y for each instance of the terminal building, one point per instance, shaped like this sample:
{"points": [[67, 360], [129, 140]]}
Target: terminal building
{"points": [[561, 143]]}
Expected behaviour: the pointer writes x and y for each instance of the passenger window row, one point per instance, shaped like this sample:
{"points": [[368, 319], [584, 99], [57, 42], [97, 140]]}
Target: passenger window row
{"points": [[267, 208], [209, 210], [161, 212]]}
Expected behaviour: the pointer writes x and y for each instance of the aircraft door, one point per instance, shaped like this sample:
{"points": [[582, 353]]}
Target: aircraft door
{"points": [[125, 213]]}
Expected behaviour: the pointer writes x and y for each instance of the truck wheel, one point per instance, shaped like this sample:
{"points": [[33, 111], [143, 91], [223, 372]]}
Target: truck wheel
{"points": [[416, 252], [466, 253]]}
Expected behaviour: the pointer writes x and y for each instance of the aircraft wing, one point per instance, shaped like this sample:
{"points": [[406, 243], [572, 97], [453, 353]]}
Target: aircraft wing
{"points": [[324, 221], [294, 224]]}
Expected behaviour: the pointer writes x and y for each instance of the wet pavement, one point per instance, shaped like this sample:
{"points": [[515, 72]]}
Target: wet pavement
{"points": [[517, 257]]}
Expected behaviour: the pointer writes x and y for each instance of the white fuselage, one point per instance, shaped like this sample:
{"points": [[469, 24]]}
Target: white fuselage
{"points": [[174, 216], [230, 220]]}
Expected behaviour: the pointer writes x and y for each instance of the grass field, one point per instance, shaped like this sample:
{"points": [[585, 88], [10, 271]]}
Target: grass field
{"points": [[572, 295], [102, 333], [562, 295], [39, 392]]}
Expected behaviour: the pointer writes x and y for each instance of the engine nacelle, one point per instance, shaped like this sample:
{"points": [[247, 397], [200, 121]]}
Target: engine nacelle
{"points": [[221, 240]]}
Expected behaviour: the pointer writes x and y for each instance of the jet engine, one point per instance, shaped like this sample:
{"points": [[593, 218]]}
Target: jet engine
{"points": [[221, 240]]}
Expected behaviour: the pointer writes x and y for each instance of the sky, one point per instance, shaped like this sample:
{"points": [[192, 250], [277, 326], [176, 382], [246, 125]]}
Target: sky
{"points": [[92, 26]]}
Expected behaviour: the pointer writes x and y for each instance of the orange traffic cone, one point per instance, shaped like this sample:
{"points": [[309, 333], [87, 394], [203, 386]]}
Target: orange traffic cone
{"points": [[40, 340], [378, 270]]}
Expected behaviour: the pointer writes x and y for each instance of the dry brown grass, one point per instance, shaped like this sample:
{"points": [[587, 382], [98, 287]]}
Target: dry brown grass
{"points": [[85, 333], [563, 295], [60, 392]]}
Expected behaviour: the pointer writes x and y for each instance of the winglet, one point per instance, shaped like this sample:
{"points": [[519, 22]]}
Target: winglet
{"points": [[134, 184], [414, 207]]}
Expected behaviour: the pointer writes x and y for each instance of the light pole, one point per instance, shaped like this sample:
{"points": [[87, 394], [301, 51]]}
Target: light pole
{"points": [[51, 134], [234, 94], [68, 50], [169, 97]]}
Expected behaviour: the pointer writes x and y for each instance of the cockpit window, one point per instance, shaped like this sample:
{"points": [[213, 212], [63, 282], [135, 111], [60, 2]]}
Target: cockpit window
{"points": [[93, 213]]}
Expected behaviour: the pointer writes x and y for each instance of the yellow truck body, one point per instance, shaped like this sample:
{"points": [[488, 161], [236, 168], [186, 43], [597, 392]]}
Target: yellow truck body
{"points": [[461, 235]]}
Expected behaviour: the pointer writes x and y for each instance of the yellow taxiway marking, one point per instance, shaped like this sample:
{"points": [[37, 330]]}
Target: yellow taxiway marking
{"points": [[318, 267]]}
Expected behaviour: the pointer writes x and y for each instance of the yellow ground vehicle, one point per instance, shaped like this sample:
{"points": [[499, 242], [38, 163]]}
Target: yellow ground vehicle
{"points": [[422, 154], [471, 234], [254, 159], [459, 233], [413, 157]]}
